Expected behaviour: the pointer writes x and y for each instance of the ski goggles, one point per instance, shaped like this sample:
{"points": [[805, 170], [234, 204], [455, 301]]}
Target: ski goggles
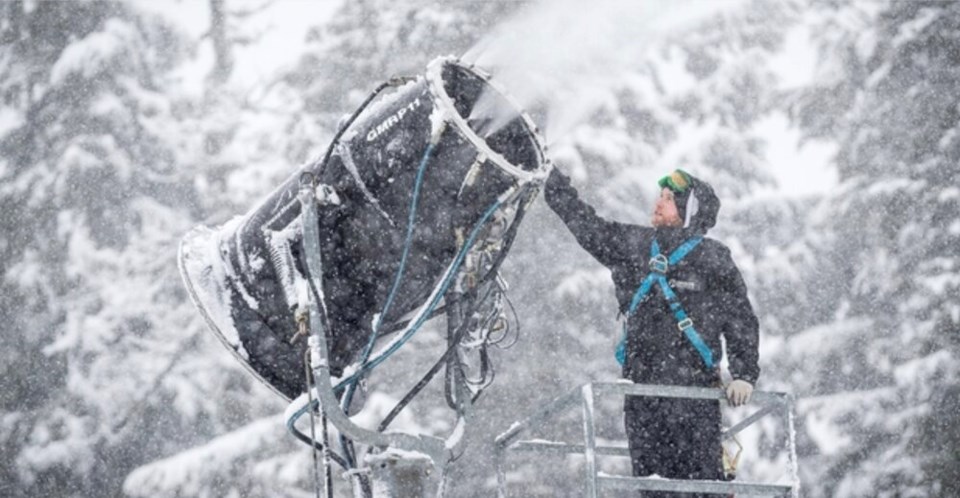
{"points": [[678, 181]]}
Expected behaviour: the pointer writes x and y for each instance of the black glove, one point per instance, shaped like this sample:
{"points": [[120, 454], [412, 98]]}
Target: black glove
{"points": [[556, 181]]}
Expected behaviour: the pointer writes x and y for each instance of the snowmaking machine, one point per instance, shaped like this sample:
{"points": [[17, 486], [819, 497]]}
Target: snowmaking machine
{"points": [[407, 216]]}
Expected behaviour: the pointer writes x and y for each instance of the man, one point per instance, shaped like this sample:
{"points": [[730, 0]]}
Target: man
{"points": [[679, 292]]}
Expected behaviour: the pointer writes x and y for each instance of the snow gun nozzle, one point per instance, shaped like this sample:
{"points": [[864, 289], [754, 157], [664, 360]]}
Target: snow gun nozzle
{"points": [[488, 117]]}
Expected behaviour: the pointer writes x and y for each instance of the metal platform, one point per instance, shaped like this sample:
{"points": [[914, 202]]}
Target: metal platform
{"points": [[596, 482]]}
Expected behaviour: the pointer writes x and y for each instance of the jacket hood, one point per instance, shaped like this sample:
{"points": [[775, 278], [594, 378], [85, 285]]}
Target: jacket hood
{"points": [[702, 207]]}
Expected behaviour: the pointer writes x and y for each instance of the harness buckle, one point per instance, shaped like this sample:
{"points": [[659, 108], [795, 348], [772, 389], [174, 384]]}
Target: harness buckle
{"points": [[685, 324], [659, 263]]}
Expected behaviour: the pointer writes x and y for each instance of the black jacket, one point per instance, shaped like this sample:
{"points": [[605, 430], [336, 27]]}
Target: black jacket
{"points": [[707, 283]]}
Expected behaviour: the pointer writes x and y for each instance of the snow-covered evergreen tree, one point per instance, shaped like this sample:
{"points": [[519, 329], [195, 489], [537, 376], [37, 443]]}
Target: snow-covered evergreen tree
{"points": [[882, 371], [96, 326]]}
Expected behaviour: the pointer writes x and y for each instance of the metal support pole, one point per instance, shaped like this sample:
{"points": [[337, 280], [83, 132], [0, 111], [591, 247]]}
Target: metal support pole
{"points": [[743, 424], [498, 456], [788, 407], [427, 445], [589, 441]]}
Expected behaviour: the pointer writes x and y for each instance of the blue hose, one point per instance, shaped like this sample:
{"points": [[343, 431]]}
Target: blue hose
{"points": [[366, 365], [436, 300], [411, 219], [446, 283]]}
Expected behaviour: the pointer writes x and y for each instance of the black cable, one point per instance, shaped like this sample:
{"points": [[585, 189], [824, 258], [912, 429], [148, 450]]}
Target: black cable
{"points": [[416, 389], [491, 273], [353, 117], [334, 456], [516, 319], [507, 242], [458, 334]]}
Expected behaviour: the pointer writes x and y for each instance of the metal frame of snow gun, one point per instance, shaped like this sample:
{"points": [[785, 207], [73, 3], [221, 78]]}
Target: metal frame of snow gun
{"points": [[439, 451], [433, 447], [586, 395]]}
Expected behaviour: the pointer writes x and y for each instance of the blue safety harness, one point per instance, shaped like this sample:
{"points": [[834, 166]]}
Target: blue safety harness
{"points": [[659, 264]]}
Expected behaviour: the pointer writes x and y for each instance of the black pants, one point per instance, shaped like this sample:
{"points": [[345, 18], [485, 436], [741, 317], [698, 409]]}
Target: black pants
{"points": [[674, 438]]}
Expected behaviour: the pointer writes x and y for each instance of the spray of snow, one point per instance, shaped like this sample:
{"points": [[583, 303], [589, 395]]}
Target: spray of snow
{"points": [[560, 57]]}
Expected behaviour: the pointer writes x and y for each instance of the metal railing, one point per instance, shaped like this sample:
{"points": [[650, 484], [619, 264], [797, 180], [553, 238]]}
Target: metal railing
{"points": [[596, 482]]}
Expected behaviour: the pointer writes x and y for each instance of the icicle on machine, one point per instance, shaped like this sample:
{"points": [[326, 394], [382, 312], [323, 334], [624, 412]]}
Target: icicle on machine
{"points": [[408, 215]]}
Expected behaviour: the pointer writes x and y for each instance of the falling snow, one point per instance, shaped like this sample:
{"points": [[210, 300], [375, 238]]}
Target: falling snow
{"points": [[829, 130]]}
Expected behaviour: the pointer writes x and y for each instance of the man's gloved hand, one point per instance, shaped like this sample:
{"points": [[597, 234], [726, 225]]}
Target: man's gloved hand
{"points": [[738, 392], [556, 189]]}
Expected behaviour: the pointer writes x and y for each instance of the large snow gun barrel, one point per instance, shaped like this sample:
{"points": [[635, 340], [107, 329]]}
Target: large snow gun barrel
{"points": [[415, 145]]}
